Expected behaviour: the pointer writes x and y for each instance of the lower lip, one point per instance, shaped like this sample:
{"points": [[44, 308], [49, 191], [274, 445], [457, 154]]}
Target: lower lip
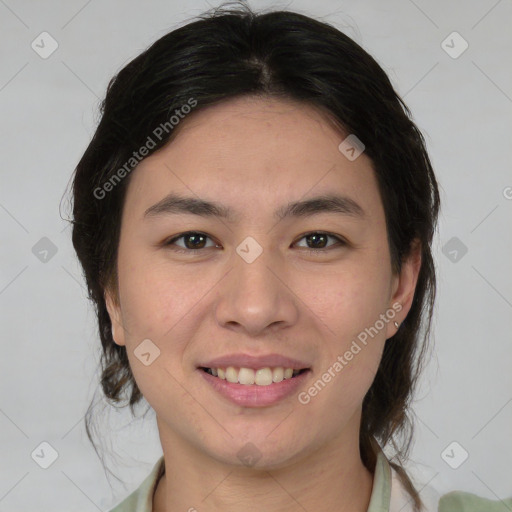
{"points": [[253, 395]]}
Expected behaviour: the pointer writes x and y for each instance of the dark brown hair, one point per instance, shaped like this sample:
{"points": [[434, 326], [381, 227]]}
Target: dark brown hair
{"points": [[230, 52]]}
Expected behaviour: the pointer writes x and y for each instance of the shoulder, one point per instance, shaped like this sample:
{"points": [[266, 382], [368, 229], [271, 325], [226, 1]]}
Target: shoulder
{"points": [[461, 501], [141, 499], [433, 501], [402, 501]]}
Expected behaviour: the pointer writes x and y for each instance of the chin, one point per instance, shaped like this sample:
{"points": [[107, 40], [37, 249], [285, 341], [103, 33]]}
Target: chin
{"points": [[258, 451]]}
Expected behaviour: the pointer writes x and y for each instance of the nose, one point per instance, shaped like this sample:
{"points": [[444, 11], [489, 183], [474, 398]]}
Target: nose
{"points": [[256, 297]]}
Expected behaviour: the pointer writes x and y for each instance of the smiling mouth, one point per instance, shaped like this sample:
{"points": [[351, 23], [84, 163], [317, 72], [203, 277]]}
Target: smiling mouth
{"points": [[248, 376]]}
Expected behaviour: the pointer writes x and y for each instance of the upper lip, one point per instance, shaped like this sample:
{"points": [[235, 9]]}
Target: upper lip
{"points": [[254, 362]]}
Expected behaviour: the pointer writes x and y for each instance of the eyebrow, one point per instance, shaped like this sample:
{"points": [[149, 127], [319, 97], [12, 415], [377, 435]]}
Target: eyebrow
{"points": [[330, 203]]}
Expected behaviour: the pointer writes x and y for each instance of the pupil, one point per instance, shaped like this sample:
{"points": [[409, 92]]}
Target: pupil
{"points": [[316, 237], [194, 237]]}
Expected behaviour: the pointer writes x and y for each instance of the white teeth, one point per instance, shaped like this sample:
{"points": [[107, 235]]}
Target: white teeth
{"points": [[231, 375], [248, 376], [278, 374], [263, 377]]}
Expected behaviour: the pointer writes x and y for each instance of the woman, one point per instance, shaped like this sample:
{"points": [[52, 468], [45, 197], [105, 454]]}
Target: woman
{"points": [[254, 217]]}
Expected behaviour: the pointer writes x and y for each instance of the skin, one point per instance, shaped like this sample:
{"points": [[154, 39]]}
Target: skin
{"points": [[255, 155]]}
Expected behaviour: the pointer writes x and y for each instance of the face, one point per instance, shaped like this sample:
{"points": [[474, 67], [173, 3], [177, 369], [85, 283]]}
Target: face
{"points": [[312, 283]]}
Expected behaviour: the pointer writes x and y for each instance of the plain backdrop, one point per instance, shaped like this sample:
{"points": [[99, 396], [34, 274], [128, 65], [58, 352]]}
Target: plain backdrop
{"points": [[462, 102]]}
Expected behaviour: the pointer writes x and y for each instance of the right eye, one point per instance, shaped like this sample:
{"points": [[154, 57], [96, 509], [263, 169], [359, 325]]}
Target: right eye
{"points": [[194, 241]]}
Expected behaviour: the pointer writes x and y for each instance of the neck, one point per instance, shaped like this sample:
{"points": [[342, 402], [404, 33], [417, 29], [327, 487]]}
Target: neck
{"points": [[331, 478]]}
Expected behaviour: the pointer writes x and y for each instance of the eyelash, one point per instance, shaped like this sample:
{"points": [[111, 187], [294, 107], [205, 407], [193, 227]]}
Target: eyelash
{"points": [[316, 252]]}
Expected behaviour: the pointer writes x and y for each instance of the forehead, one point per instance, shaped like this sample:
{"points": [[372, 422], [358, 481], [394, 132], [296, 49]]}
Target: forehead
{"points": [[253, 152]]}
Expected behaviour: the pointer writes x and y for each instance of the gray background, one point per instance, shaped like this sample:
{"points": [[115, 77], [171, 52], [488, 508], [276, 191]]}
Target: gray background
{"points": [[50, 349]]}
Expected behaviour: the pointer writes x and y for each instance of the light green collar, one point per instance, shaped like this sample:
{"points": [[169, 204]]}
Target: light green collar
{"points": [[141, 500], [381, 490]]}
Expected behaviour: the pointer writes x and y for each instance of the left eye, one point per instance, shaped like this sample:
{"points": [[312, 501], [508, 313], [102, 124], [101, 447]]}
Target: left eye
{"points": [[195, 241], [319, 237]]}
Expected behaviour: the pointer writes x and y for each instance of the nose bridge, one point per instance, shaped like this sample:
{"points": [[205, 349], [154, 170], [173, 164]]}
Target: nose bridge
{"points": [[254, 296]]}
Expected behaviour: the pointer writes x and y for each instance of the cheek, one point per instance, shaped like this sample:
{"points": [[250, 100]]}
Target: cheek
{"points": [[347, 301], [154, 296], [155, 306], [347, 306]]}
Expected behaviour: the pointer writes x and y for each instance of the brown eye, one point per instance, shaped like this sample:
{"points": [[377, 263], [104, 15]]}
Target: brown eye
{"points": [[193, 241], [317, 241]]}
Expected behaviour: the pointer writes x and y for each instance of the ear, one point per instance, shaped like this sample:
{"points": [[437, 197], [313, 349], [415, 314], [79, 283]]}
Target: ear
{"points": [[114, 311], [404, 286]]}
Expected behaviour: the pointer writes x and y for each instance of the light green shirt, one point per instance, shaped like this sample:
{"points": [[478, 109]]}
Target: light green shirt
{"points": [[388, 495]]}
